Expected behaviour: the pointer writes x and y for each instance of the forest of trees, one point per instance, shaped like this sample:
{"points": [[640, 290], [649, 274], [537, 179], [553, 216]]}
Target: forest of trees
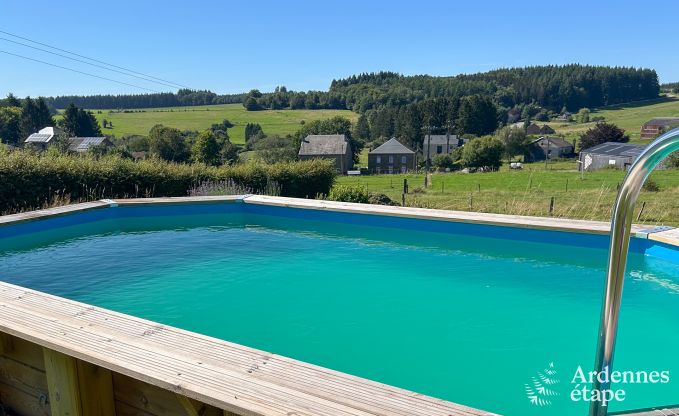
{"points": [[551, 87], [183, 97], [475, 115], [670, 87]]}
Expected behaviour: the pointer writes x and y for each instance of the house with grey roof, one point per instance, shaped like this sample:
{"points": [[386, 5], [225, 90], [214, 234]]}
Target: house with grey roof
{"points": [[333, 147], [533, 129], [83, 144], [391, 157], [440, 144], [654, 127], [548, 147], [43, 137], [609, 154]]}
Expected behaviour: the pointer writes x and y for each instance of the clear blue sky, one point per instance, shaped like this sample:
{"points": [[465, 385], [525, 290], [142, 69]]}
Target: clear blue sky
{"points": [[229, 46]]}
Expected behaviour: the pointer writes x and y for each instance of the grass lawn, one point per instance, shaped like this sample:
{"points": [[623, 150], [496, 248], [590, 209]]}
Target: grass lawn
{"points": [[529, 192], [629, 117], [280, 122]]}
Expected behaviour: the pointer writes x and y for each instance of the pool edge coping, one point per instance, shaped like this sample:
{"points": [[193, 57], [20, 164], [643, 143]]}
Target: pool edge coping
{"points": [[665, 235]]}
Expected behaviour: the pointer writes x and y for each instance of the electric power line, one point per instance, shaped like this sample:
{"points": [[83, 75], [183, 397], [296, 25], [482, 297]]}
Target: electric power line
{"points": [[87, 63], [92, 59], [80, 72]]}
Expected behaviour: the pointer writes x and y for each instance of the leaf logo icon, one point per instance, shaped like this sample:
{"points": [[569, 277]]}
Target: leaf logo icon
{"points": [[539, 391]]}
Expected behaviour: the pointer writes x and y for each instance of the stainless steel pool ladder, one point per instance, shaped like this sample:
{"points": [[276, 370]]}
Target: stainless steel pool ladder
{"points": [[621, 226]]}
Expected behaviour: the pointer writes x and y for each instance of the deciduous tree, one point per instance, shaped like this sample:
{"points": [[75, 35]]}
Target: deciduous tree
{"points": [[206, 149], [602, 133], [485, 152], [168, 143]]}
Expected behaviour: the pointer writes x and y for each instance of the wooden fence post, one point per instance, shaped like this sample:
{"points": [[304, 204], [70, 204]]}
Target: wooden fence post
{"points": [[641, 211], [551, 206]]}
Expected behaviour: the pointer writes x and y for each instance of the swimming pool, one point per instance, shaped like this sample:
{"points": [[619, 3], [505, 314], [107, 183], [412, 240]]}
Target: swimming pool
{"points": [[466, 312]]}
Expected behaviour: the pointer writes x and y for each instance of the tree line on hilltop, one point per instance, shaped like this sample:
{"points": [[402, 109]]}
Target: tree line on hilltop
{"points": [[551, 87], [183, 97]]}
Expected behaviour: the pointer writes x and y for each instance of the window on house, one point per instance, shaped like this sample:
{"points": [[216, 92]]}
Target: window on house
{"points": [[391, 159], [391, 169], [378, 160], [403, 169], [403, 160], [439, 149]]}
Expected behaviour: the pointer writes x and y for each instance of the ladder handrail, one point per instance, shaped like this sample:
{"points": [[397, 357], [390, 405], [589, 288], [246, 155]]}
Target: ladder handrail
{"points": [[621, 225]]}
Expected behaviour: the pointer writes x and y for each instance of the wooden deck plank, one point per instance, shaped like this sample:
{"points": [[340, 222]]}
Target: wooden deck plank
{"points": [[51, 212], [222, 374], [22, 402]]}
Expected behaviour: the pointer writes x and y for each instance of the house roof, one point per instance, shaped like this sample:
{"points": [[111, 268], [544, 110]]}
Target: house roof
{"points": [[44, 135], [392, 147], [437, 139], [323, 144], [616, 149], [662, 121], [81, 144], [39, 138], [554, 141]]}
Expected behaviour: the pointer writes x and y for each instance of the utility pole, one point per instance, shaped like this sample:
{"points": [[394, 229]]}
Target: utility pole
{"points": [[428, 162], [449, 127]]}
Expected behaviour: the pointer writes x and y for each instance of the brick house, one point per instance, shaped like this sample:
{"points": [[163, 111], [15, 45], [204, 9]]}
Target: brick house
{"points": [[652, 128]]}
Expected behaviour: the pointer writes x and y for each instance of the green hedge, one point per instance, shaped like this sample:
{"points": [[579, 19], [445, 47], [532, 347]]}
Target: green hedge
{"points": [[29, 180]]}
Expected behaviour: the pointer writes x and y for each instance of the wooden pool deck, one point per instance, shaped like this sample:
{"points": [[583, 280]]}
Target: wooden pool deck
{"points": [[61, 357]]}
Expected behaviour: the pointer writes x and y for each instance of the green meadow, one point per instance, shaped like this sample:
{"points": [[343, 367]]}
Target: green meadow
{"points": [[629, 117], [279, 122], [529, 192]]}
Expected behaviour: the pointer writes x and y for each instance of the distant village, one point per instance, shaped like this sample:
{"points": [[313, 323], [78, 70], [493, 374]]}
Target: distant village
{"points": [[394, 157]]}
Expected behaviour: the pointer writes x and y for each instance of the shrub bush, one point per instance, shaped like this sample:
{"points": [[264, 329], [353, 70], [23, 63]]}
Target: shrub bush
{"points": [[380, 199], [29, 180], [651, 186], [347, 193]]}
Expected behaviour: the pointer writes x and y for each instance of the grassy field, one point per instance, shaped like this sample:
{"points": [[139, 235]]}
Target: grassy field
{"points": [[529, 192], [629, 117], [280, 122]]}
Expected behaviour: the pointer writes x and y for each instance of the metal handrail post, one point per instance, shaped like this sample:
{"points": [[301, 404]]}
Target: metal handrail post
{"points": [[621, 226]]}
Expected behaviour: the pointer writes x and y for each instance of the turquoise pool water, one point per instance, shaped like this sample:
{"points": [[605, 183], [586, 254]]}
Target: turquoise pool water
{"points": [[451, 312]]}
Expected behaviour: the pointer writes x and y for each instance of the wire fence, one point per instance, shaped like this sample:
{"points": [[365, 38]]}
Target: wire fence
{"points": [[656, 208]]}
